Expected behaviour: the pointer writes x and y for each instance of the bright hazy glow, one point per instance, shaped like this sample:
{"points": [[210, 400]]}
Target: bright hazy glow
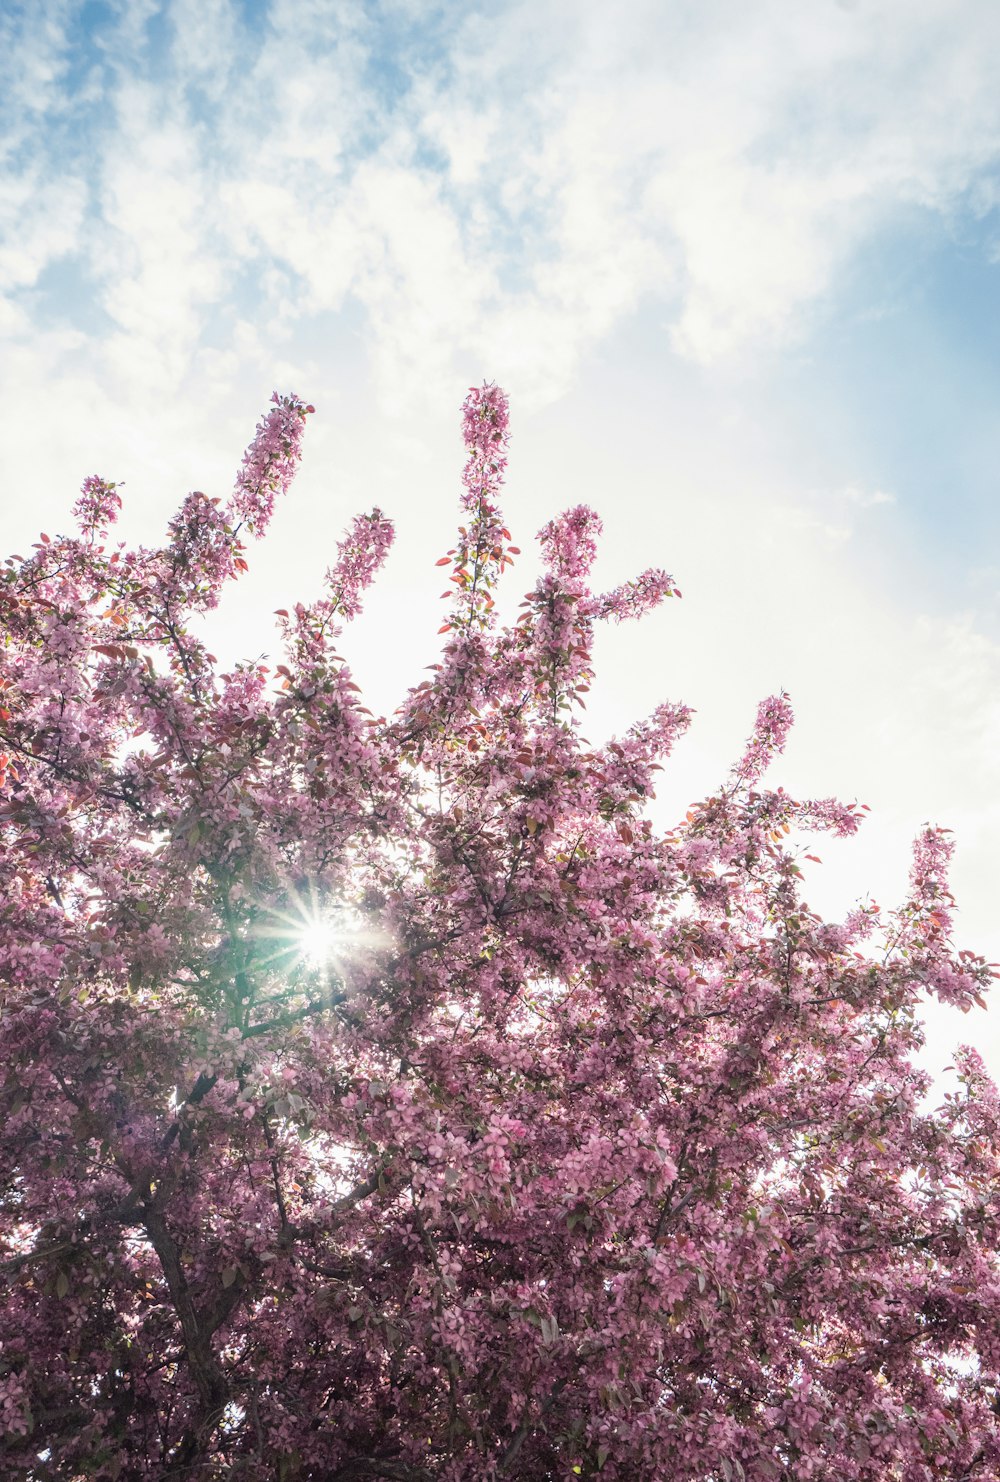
{"points": [[313, 932], [317, 942]]}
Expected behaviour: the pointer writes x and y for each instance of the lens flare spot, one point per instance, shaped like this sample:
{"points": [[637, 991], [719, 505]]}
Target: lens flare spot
{"points": [[318, 942]]}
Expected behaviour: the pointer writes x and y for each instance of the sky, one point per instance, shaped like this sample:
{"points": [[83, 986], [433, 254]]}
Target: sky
{"points": [[737, 267]]}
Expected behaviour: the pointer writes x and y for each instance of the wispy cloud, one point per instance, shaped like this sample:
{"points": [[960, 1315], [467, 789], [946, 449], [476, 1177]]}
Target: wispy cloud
{"points": [[867, 498], [504, 188]]}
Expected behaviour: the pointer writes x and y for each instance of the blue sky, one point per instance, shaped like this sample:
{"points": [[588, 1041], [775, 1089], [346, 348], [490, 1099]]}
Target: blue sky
{"points": [[737, 266]]}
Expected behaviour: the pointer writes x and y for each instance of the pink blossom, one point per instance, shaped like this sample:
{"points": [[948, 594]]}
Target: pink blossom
{"points": [[774, 720], [269, 463], [98, 504], [361, 553]]}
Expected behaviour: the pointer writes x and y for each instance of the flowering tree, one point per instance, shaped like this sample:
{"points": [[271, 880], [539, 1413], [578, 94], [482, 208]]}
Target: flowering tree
{"points": [[387, 1098]]}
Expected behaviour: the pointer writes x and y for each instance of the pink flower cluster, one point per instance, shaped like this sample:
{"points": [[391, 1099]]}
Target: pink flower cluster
{"points": [[774, 720], [485, 419], [361, 554], [633, 599], [270, 462], [98, 504], [569, 543]]}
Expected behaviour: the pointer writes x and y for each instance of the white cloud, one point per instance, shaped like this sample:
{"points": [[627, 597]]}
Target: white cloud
{"points": [[40, 222], [867, 498], [521, 188], [205, 41], [33, 61], [157, 252]]}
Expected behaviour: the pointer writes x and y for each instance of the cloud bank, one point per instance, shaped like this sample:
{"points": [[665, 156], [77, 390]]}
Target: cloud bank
{"points": [[500, 187]]}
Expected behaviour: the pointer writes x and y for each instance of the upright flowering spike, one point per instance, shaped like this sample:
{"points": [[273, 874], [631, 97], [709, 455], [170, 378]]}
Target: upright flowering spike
{"points": [[932, 854], [98, 505], [269, 463], [569, 543], [925, 925], [480, 557], [774, 721], [485, 419], [360, 555], [564, 608]]}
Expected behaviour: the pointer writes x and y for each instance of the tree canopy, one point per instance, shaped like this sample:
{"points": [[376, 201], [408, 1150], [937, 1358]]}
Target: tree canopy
{"points": [[389, 1098]]}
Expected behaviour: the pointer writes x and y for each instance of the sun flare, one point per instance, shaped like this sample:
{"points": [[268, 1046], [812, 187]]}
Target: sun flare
{"points": [[317, 942]]}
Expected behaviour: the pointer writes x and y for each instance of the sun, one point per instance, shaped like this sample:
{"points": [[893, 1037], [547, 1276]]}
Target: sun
{"points": [[313, 932], [317, 941]]}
